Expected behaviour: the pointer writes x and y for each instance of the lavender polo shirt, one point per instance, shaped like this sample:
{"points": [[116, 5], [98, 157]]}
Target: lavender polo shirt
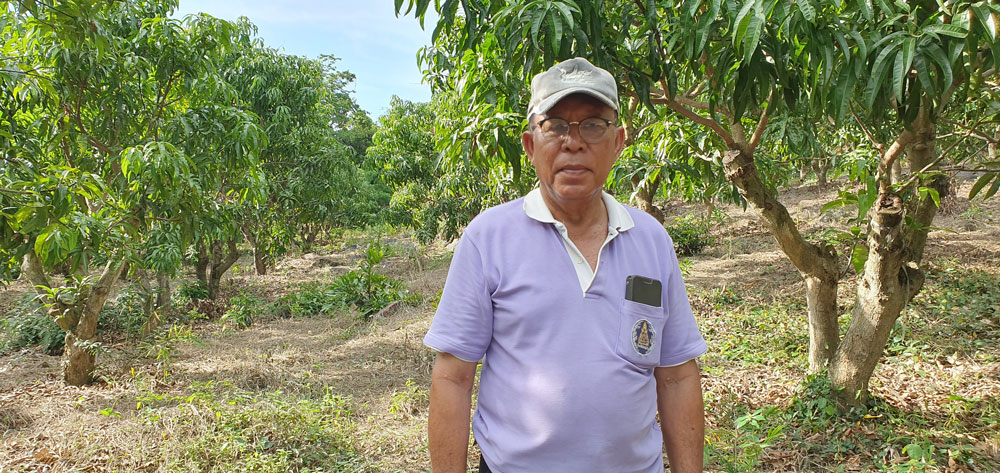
{"points": [[567, 380]]}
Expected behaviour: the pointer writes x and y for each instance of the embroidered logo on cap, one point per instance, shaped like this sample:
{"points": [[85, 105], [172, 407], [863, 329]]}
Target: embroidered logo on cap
{"points": [[575, 76], [643, 336]]}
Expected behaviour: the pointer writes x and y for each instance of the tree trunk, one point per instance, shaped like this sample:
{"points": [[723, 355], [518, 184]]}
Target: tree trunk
{"points": [[259, 252], [259, 260], [897, 171], [991, 147], [201, 265], [886, 284], [822, 168], [644, 194], [892, 274], [163, 295], [220, 264], [818, 265], [78, 359], [822, 310]]}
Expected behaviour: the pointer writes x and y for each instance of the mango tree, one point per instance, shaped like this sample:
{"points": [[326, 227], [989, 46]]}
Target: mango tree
{"points": [[307, 115], [730, 67], [402, 155], [98, 101]]}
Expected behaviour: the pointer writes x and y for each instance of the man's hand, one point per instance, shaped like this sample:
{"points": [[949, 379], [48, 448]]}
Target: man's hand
{"points": [[448, 421], [682, 415]]}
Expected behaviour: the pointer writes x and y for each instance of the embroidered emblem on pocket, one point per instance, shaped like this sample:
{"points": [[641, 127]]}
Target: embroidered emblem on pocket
{"points": [[643, 336]]}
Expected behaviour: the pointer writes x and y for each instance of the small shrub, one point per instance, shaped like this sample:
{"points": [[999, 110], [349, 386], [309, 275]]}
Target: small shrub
{"points": [[815, 404], [194, 290], [163, 343], [740, 448], [410, 400], [126, 314], [27, 325], [310, 300], [364, 289], [242, 309], [691, 234]]}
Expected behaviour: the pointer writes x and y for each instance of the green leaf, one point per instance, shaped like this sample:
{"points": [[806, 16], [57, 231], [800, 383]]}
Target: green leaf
{"points": [[843, 92], [862, 46], [986, 21], [926, 192], [909, 46], [859, 257], [982, 182], [947, 30], [557, 28], [808, 10], [935, 52], [827, 63], [993, 189], [741, 22], [866, 197], [536, 23], [898, 77], [842, 42], [567, 14], [690, 8], [866, 8], [877, 75], [754, 29], [924, 75], [422, 7]]}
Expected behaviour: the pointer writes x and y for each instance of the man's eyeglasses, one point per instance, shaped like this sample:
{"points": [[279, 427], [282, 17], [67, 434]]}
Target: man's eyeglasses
{"points": [[592, 129]]}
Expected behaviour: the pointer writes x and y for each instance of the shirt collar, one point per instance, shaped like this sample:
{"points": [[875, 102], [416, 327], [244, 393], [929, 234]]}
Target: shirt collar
{"points": [[618, 217]]}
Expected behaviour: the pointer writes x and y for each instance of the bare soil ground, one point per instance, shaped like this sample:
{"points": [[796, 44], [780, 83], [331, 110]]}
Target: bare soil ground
{"points": [[48, 427]]}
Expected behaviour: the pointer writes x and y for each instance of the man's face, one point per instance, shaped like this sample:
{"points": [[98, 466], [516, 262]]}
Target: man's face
{"points": [[569, 168]]}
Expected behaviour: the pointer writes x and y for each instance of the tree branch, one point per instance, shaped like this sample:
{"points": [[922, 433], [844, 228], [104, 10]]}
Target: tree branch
{"points": [[703, 121], [890, 156], [762, 124], [162, 103], [877, 144], [972, 130]]}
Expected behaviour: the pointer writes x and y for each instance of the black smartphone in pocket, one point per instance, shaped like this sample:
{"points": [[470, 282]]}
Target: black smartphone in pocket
{"points": [[643, 289]]}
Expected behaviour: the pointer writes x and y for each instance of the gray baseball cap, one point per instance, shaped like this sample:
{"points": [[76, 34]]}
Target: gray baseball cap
{"points": [[571, 76]]}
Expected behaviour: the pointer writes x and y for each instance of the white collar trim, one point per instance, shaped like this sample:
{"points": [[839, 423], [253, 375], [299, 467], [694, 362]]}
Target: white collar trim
{"points": [[618, 217]]}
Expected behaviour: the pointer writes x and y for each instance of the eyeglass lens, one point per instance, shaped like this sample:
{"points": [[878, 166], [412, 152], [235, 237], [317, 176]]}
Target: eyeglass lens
{"points": [[591, 129]]}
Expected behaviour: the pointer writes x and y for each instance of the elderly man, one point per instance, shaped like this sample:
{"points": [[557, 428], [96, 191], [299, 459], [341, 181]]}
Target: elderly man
{"points": [[576, 307]]}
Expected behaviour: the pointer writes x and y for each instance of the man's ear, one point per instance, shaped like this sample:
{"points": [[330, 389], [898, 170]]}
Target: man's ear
{"points": [[619, 140], [529, 145]]}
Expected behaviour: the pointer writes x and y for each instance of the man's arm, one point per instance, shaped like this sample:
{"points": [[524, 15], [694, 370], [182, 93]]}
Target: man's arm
{"points": [[448, 421], [682, 415]]}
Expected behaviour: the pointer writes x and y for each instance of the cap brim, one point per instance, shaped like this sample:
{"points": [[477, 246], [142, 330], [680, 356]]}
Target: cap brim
{"points": [[553, 99]]}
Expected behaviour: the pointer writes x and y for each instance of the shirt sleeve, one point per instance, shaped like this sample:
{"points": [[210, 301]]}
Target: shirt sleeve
{"points": [[682, 341], [463, 323]]}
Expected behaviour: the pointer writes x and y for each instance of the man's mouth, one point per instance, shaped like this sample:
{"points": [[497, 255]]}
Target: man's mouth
{"points": [[574, 169]]}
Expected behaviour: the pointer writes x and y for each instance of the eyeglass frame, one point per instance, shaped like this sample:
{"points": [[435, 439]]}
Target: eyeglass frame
{"points": [[607, 123]]}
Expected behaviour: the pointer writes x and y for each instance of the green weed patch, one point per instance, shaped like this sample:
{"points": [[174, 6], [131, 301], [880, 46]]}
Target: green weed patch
{"points": [[956, 314], [216, 429]]}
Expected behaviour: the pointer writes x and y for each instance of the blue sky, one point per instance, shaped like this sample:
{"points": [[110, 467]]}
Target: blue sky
{"points": [[378, 48]]}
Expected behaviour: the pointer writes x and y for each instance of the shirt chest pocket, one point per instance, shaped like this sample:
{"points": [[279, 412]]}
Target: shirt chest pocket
{"points": [[639, 333]]}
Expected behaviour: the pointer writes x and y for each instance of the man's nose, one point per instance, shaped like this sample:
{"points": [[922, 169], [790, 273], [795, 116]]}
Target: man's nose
{"points": [[572, 141]]}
